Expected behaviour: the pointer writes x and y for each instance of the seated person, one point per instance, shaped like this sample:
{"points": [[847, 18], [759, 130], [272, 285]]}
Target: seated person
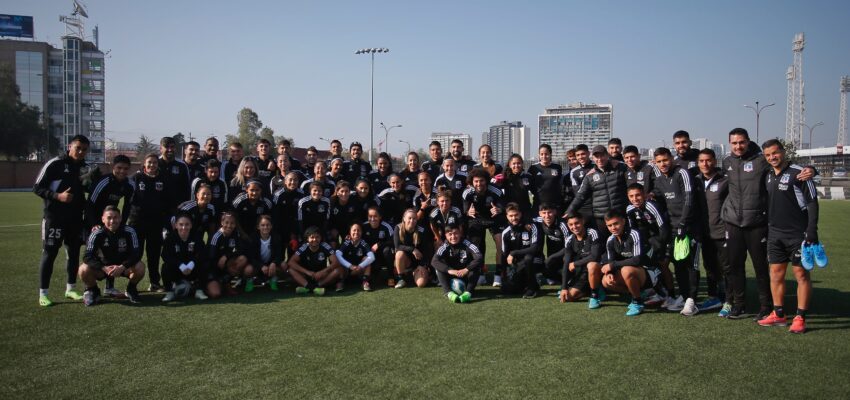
{"points": [[457, 258], [627, 268], [356, 258], [314, 265], [521, 246], [266, 253], [184, 258], [412, 251], [227, 256], [583, 249]]}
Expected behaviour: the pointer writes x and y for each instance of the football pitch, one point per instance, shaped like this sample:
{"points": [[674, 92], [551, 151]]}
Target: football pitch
{"points": [[408, 343]]}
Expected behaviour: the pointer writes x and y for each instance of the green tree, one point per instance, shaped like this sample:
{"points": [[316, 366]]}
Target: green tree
{"points": [[268, 134], [249, 126], [144, 147], [22, 128], [790, 151], [180, 143]]}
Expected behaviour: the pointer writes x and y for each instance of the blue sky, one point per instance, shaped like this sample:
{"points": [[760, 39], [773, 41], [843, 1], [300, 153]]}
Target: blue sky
{"points": [[457, 66]]}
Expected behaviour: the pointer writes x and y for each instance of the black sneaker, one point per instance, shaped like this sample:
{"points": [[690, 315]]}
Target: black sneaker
{"points": [[529, 294], [133, 295], [763, 313], [737, 312], [155, 288]]}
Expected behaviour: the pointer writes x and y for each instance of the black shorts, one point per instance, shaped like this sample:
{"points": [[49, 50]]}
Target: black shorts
{"points": [[579, 280], [784, 250], [55, 233]]}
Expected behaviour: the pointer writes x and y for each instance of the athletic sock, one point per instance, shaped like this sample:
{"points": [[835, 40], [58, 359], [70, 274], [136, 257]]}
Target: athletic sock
{"points": [[42, 292], [801, 312], [364, 278], [594, 293], [68, 287], [779, 311], [399, 278], [110, 283], [131, 286]]}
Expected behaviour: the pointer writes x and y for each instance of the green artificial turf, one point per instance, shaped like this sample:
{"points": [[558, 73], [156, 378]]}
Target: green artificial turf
{"points": [[409, 343]]}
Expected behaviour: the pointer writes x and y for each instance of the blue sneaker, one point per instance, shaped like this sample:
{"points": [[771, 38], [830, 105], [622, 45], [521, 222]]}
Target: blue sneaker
{"points": [[594, 303], [807, 256], [601, 294], [820, 254], [710, 304], [724, 312], [634, 309]]}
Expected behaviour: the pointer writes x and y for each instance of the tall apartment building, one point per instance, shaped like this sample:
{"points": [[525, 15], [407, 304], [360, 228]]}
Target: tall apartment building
{"points": [[446, 138], [565, 126], [67, 84], [508, 138]]}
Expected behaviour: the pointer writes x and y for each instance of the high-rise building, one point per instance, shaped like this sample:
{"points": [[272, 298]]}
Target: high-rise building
{"points": [[704, 143], [566, 126], [508, 138], [446, 138], [66, 84]]}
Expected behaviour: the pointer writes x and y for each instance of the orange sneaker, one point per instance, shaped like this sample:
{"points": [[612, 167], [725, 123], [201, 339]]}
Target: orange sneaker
{"points": [[773, 320], [798, 325]]}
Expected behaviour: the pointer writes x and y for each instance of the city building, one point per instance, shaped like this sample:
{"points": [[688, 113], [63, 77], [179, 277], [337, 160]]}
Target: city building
{"points": [[704, 143], [508, 138], [825, 159], [66, 83], [446, 138], [566, 126]]}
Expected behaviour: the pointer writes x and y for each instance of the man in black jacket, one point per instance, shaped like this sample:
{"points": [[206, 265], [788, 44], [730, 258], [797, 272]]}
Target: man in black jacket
{"points": [[686, 157], [574, 179], [521, 244], [60, 184], [605, 187], [582, 253], [712, 187], [639, 171], [627, 267], [457, 258], [175, 174], [745, 214]]}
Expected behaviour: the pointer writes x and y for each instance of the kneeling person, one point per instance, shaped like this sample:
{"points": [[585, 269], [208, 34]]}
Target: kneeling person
{"points": [[113, 251], [457, 258], [521, 247], [356, 258], [627, 269], [314, 265], [583, 249], [184, 259]]}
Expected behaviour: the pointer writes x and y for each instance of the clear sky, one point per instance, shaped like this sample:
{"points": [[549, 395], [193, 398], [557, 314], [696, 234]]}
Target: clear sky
{"points": [[457, 66]]}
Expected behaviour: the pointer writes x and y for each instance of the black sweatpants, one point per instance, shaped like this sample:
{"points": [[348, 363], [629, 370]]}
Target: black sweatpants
{"points": [[55, 234], [601, 228], [554, 265], [150, 239], [739, 242], [715, 260], [520, 276], [171, 274], [471, 280], [687, 272]]}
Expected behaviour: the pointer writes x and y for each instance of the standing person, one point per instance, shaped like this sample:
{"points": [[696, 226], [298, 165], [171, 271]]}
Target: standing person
{"points": [[712, 187], [546, 180], [314, 265], [745, 214], [686, 157], [109, 190], [320, 176], [627, 268], [517, 185], [343, 211], [638, 171], [336, 152], [412, 251], [60, 184], [285, 147], [313, 210], [364, 200], [457, 258], [394, 200], [175, 174], [486, 162], [521, 249], [148, 215], [310, 161], [452, 181], [615, 149], [335, 170], [792, 219], [286, 210], [675, 193], [266, 165], [250, 205], [184, 259], [443, 215], [576, 177], [410, 174], [210, 151], [356, 168], [283, 169], [463, 164], [355, 256], [247, 172], [424, 202], [380, 178], [201, 210], [435, 164], [604, 189], [266, 254], [582, 252], [218, 189], [235, 153], [191, 158], [571, 159], [112, 250], [483, 208]]}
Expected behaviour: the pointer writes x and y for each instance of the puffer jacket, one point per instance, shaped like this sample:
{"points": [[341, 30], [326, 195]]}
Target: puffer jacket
{"points": [[606, 188], [746, 204]]}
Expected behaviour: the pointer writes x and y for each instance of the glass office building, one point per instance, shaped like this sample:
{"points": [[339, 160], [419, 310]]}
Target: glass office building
{"points": [[566, 126]]}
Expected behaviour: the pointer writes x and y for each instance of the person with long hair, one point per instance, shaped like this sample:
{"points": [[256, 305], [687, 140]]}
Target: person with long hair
{"points": [[394, 200], [343, 210], [201, 210], [285, 212], [517, 185], [148, 215], [380, 179], [320, 176], [365, 199], [266, 254], [227, 256], [184, 259], [356, 258], [410, 174], [412, 251], [486, 162], [246, 172]]}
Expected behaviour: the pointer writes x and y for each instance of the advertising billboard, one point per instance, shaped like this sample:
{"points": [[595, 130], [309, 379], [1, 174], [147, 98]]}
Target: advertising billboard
{"points": [[16, 26]]}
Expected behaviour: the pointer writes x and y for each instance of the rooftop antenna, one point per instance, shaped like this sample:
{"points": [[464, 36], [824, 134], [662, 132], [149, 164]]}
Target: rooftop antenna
{"points": [[74, 25]]}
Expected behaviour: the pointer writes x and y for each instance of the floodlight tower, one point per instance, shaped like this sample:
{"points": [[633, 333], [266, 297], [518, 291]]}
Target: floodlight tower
{"points": [[796, 108], [842, 114]]}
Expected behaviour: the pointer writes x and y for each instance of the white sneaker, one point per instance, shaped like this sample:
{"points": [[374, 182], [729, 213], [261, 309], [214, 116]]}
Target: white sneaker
{"points": [[551, 282], [113, 292], [199, 294], [169, 296], [690, 308], [654, 300], [497, 281], [482, 280], [400, 284], [676, 304]]}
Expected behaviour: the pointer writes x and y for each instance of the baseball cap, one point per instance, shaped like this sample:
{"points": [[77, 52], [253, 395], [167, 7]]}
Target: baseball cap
{"points": [[599, 149]]}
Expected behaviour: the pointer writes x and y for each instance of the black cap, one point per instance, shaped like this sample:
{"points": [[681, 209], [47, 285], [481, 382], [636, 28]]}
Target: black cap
{"points": [[599, 149]]}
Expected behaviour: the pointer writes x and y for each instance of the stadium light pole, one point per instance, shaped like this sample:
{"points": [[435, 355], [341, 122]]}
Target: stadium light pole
{"points": [[372, 113], [408, 145], [387, 134], [811, 129], [758, 111]]}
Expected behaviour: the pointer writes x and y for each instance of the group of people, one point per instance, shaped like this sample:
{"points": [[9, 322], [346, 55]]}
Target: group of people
{"points": [[608, 222]]}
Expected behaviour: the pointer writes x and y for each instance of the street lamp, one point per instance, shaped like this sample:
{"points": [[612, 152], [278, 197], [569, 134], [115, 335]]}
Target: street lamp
{"points": [[387, 134], [408, 145], [811, 129], [372, 114], [758, 110]]}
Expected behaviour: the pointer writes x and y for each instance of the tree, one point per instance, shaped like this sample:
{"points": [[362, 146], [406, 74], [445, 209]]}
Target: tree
{"points": [[790, 151], [22, 129], [268, 134], [144, 147], [179, 144], [249, 125]]}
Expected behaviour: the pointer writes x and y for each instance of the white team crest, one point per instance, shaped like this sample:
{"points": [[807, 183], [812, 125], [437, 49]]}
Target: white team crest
{"points": [[525, 181], [713, 187], [141, 186], [596, 177], [321, 257], [748, 167], [525, 236], [785, 178], [553, 172], [175, 170], [232, 243], [191, 246], [692, 164], [106, 242], [122, 244], [640, 176], [381, 234], [321, 209], [458, 184], [159, 186]]}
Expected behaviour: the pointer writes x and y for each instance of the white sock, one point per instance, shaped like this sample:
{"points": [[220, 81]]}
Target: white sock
{"points": [[42, 292], [69, 287]]}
